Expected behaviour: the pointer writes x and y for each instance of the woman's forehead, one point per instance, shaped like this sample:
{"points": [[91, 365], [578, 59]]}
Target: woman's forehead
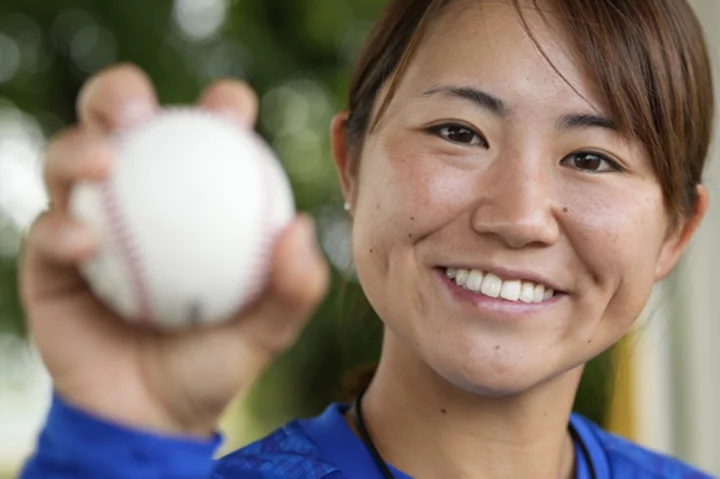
{"points": [[488, 43]]}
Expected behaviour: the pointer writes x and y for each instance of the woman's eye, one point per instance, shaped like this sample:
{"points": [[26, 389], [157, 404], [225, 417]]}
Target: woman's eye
{"points": [[591, 162], [459, 134]]}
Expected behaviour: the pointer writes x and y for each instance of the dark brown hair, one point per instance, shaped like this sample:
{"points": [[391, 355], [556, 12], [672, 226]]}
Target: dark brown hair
{"points": [[648, 58]]}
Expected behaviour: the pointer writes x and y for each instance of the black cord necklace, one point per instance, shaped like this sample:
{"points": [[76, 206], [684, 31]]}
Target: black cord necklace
{"points": [[359, 421]]}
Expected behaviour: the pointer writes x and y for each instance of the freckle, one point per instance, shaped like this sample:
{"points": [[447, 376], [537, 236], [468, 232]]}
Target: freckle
{"points": [[409, 235], [412, 218], [566, 209], [589, 341], [377, 207], [497, 348], [372, 251], [443, 410]]}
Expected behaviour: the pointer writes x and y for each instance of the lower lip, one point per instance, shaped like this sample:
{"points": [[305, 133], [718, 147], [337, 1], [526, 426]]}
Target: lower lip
{"points": [[494, 307]]}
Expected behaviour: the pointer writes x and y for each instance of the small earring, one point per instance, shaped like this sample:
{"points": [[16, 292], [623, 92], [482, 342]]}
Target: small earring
{"points": [[346, 206]]}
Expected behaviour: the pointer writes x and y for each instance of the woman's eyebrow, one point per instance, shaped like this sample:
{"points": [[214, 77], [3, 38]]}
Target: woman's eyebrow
{"points": [[495, 105], [579, 121], [478, 97]]}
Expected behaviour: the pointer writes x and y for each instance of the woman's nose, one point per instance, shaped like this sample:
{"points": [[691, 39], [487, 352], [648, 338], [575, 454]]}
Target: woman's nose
{"points": [[515, 204]]}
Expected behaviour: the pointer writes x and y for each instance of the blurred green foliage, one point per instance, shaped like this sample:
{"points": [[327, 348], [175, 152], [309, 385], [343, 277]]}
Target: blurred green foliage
{"points": [[297, 54], [10, 312]]}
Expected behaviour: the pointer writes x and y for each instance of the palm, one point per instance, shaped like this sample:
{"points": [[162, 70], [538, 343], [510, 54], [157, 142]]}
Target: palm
{"points": [[93, 350]]}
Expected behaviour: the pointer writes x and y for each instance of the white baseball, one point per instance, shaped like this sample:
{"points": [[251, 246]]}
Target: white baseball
{"points": [[187, 220]]}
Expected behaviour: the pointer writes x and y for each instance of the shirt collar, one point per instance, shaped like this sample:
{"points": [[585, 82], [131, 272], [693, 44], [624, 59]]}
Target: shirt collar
{"points": [[342, 447], [592, 463]]}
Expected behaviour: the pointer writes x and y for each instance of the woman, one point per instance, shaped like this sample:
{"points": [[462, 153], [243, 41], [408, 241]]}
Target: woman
{"points": [[518, 175]]}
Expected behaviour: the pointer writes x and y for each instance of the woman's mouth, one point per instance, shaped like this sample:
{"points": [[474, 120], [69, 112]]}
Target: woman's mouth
{"points": [[492, 286]]}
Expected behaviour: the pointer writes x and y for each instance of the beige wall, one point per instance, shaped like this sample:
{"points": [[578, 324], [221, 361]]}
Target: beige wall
{"points": [[677, 355], [698, 337]]}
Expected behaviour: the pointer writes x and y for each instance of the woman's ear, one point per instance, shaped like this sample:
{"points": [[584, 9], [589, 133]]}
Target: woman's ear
{"points": [[675, 243], [342, 155]]}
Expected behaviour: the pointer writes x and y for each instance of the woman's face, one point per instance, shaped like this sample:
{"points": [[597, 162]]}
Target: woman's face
{"points": [[490, 182]]}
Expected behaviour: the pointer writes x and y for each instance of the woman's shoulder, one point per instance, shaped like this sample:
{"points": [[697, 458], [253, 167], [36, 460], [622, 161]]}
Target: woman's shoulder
{"points": [[319, 448], [615, 456], [289, 452]]}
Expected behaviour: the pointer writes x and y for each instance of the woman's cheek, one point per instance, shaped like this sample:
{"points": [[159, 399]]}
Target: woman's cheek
{"points": [[405, 193], [615, 238], [416, 189]]}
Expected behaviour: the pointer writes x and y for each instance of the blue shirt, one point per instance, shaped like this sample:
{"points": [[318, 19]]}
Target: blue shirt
{"points": [[78, 446]]}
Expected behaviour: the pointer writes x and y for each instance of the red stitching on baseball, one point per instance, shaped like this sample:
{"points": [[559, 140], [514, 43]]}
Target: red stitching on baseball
{"points": [[128, 251], [256, 283]]}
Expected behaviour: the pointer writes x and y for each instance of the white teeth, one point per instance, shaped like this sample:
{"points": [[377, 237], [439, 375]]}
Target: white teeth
{"points": [[539, 293], [527, 291], [511, 290], [474, 281], [491, 286], [494, 287], [461, 277]]}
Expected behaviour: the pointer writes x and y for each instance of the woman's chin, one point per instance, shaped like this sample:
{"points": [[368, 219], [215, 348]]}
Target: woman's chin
{"points": [[492, 384], [495, 377]]}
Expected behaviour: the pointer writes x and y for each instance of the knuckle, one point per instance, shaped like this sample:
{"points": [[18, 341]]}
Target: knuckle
{"points": [[39, 221], [317, 286], [65, 153], [305, 292], [61, 141], [281, 339], [39, 228]]}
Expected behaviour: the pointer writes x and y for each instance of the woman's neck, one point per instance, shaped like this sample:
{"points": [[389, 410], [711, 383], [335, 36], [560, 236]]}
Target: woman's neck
{"points": [[428, 428]]}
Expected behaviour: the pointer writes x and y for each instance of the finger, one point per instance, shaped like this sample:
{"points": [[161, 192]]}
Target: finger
{"points": [[50, 255], [233, 99], [59, 239], [73, 156], [116, 98], [299, 280]]}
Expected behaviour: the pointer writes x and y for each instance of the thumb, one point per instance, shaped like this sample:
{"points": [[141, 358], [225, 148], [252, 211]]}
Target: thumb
{"points": [[298, 282]]}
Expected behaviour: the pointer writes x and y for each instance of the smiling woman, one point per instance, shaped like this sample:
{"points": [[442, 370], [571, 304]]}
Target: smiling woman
{"points": [[526, 174], [518, 174]]}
